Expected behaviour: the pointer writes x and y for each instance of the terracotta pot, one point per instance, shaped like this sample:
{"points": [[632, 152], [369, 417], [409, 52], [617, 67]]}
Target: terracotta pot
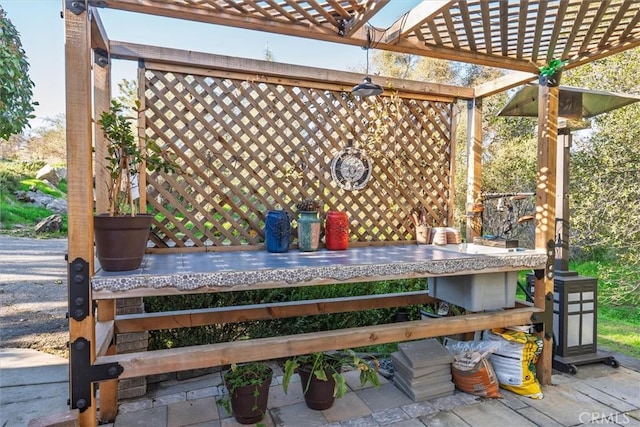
{"points": [[319, 393], [121, 241]]}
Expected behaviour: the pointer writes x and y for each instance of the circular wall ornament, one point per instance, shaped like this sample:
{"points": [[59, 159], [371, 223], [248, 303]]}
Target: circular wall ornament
{"points": [[351, 168]]}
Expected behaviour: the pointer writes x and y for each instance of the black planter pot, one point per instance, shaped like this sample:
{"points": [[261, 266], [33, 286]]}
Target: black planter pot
{"points": [[550, 81], [248, 406], [319, 394], [121, 241]]}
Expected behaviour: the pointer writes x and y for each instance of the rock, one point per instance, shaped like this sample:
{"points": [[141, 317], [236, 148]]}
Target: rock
{"points": [[38, 198], [50, 224], [61, 172], [48, 173], [57, 205], [24, 196]]}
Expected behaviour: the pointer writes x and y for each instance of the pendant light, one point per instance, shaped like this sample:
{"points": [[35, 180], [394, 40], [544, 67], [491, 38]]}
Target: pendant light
{"points": [[367, 87]]}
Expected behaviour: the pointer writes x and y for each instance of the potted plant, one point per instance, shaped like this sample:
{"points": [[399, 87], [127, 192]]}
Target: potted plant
{"points": [[121, 234], [321, 375], [308, 225], [550, 74], [248, 386]]}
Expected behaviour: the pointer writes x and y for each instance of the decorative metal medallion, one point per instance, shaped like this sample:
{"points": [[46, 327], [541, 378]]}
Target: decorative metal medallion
{"points": [[351, 168]]}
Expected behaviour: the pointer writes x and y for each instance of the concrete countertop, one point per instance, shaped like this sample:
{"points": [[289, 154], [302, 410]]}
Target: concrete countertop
{"points": [[188, 272]]}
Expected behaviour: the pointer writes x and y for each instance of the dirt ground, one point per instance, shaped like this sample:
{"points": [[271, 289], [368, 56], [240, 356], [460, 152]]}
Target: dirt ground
{"points": [[33, 294]]}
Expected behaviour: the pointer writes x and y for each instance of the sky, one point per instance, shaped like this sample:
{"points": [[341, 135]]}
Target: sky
{"points": [[41, 31]]}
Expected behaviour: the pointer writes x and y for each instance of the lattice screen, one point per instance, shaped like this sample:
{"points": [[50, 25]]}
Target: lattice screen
{"points": [[245, 146]]}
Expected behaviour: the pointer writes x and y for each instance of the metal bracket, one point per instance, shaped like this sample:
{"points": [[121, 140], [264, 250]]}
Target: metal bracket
{"points": [[544, 321], [101, 57], [551, 259], [75, 6], [78, 272], [83, 373]]}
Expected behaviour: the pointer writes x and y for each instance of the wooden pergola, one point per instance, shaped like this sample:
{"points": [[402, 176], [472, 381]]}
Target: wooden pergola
{"points": [[519, 36]]}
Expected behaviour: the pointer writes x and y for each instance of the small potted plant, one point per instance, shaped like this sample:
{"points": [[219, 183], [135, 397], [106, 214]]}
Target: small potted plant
{"points": [[248, 386], [308, 225], [121, 234], [321, 375], [550, 74]]}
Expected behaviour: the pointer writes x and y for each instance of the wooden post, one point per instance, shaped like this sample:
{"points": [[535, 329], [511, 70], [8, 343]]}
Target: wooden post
{"points": [[79, 170], [546, 212], [452, 167], [106, 309], [474, 166]]}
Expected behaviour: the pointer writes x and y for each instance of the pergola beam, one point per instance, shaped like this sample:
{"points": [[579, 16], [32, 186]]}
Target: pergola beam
{"points": [[413, 19], [133, 51]]}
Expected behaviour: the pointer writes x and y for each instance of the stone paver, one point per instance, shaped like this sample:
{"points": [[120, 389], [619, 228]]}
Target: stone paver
{"points": [[353, 381], [390, 416], [443, 419], [491, 413], [192, 412], [347, 407], [145, 418], [367, 421], [409, 423], [277, 397], [297, 415], [176, 386], [384, 397]]}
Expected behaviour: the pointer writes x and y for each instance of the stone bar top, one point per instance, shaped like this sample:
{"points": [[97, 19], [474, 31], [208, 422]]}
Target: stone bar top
{"points": [[243, 270]]}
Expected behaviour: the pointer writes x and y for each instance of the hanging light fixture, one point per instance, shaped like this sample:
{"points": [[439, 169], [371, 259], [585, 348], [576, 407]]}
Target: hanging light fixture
{"points": [[367, 87]]}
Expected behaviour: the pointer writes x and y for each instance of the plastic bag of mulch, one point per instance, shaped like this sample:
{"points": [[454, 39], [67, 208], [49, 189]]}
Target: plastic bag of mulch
{"points": [[471, 370], [514, 360]]}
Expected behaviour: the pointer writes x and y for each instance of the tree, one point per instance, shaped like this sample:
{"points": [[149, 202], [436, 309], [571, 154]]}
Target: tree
{"points": [[48, 142], [16, 87]]}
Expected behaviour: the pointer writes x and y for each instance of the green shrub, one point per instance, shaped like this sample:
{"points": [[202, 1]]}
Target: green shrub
{"points": [[276, 327]]}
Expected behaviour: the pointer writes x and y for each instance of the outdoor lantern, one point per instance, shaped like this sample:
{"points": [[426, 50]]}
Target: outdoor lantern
{"points": [[367, 87]]}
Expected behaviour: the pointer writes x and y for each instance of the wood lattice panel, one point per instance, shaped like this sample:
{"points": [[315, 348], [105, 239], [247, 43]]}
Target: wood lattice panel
{"points": [[246, 146]]}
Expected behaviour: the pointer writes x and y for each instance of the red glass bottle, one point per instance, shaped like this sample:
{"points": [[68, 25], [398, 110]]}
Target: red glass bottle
{"points": [[337, 231]]}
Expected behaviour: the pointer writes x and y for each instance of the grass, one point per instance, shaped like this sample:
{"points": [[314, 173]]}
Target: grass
{"points": [[21, 218]]}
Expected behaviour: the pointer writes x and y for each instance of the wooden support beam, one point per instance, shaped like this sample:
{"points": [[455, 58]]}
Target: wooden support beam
{"points": [[99, 39], [503, 83], [244, 313], [474, 167], [265, 69], [104, 333], [79, 175], [106, 346], [546, 211], [179, 359]]}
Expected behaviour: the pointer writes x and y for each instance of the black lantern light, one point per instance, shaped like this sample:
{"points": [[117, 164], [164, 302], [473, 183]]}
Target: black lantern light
{"points": [[367, 87]]}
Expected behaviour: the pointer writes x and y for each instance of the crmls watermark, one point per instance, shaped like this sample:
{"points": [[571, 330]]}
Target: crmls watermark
{"points": [[603, 418]]}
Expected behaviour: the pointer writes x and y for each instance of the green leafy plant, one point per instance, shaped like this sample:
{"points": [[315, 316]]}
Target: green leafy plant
{"points": [[554, 66], [322, 364], [247, 374], [126, 155], [16, 89]]}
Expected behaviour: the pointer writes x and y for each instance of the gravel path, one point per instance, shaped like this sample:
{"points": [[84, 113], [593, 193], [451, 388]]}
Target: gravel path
{"points": [[33, 294]]}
